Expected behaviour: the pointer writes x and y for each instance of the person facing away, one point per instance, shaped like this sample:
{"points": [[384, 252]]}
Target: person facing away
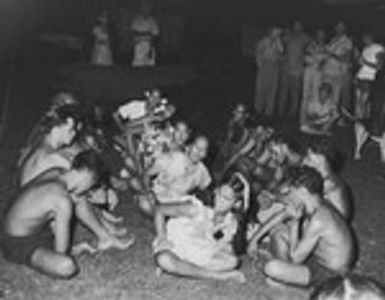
{"points": [[36, 228]]}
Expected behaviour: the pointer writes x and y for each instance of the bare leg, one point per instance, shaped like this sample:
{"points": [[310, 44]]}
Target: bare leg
{"points": [[174, 265], [53, 263], [85, 213], [361, 136], [288, 272]]}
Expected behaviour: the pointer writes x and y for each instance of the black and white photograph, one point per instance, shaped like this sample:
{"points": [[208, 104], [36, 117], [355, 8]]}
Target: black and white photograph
{"points": [[192, 150]]}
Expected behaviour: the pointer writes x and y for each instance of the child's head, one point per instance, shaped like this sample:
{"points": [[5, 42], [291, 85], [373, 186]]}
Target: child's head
{"points": [[278, 148], [320, 151], [198, 149], [224, 198], [181, 133], [352, 287], [325, 90]]}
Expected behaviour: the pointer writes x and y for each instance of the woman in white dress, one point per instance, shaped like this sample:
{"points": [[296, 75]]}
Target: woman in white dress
{"points": [[101, 54]]}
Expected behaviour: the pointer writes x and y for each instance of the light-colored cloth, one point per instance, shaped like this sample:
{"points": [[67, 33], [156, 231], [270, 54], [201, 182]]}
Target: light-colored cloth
{"points": [[369, 54], [268, 53], [101, 54], [177, 176], [340, 46], [192, 238], [133, 110], [144, 29]]}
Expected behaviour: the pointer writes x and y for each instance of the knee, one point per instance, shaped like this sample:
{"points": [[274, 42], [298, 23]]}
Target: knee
{"points": [[66, 268], [232, 262], [165, 261], [272, 268]]}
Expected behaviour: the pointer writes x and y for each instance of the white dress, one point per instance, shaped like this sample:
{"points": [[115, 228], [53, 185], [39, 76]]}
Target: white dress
{"points": [[192, 238], [101, 54], [144, 31]]}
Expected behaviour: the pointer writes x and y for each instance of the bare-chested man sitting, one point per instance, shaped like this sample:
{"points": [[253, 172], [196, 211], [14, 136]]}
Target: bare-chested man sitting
{"points": [[320, 156], [37, 225], [315, 232], [194, 240], [60, 130]]}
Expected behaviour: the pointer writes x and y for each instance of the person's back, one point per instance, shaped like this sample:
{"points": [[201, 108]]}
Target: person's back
{"points": [[33, 207], [336, 193], [335, 248], [39, 161]]}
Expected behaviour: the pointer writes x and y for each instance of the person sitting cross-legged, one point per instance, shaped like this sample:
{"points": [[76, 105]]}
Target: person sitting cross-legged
{"points": [[316, 242], [36, 229], [194, 240]]}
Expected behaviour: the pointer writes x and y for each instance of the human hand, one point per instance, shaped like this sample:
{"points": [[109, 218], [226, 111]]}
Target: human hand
{"points": [[161, 243], [296, 211], [265, 199]]}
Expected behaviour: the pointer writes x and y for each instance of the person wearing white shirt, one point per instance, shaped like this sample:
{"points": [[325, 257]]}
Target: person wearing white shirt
{"points": [[144, 29], [371, 62]]}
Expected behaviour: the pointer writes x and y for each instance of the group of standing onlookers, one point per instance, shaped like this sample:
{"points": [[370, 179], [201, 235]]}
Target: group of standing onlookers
{"points": [[311, 77]]}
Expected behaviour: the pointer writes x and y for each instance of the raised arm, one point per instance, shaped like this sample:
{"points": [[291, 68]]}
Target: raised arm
{"points": [[275, 220]]}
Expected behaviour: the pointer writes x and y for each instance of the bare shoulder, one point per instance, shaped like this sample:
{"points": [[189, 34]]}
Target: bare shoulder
{"points": [[322, 218]]}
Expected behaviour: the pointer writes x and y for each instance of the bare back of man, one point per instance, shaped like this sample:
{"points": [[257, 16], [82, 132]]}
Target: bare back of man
{"points": [[41, 160], [28, 237], [335, 192]]}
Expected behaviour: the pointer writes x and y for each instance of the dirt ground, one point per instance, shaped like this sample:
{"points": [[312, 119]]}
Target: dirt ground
{"points": [[131, 274]]}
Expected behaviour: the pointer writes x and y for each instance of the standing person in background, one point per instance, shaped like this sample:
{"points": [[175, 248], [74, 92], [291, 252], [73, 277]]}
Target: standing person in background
{"points": [[144, 29], [101, 54], [371, 61], [268, 53], [336, 69], [312, 79], [292, 70]]}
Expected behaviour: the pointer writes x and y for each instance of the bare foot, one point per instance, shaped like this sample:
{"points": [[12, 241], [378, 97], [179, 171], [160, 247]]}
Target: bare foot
{"points": [[111, 217], [82, 248], [235, 276], [117, 243]]}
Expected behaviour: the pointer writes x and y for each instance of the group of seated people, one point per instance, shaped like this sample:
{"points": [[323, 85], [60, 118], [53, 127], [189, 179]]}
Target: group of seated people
{"points": [[296, 208]]}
